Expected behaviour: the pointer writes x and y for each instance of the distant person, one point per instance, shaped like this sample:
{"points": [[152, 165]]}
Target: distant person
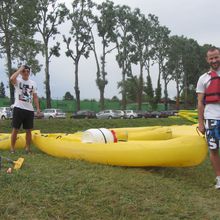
{"points": [[23, 111], [208, 90]]}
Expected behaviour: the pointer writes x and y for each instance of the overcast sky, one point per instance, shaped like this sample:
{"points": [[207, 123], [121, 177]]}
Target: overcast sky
{"points": [[197, 19]]}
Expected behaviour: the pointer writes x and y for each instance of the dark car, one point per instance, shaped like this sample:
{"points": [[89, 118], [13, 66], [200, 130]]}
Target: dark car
{"points": [[145, 114], [83, 114], [153, 114]]}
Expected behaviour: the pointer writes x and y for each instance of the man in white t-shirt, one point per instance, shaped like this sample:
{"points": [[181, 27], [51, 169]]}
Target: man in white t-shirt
{"points": [[208, 90], [23, 112]]}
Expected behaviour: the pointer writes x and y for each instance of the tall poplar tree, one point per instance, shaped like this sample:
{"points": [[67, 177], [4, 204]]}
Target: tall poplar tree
{"points": [[78, 44], [50, 16], [105, 22]]}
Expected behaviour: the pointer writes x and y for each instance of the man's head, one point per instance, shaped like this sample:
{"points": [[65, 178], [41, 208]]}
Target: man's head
{"points": [[26, 72], [213, 58]]}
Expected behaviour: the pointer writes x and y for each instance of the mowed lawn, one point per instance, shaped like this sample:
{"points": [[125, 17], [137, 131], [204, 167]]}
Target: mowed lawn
{"points": [[53, 188]]}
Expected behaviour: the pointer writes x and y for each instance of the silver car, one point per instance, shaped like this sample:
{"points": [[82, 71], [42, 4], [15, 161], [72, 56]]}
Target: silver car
{"points": [[5, 113], [130, 114], [54, 113], [109, 114]]}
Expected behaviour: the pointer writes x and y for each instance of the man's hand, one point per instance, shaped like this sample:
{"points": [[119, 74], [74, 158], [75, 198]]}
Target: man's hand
{"points": [[38, 113], [201, 128], [21, 68]]}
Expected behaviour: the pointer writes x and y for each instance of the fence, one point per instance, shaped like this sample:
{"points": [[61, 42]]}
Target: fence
{"points": [[70, 105]]}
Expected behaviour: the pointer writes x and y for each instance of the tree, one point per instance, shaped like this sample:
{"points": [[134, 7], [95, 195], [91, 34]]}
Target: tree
{"points": [[175, 64], [2, 90], [185, 66], [124, 46], [68, 96], [142, 42], [192, 69], [160, 48], [16, 27], [106, 31], [50, 16], [131, 84], [115, 99], [149, 91], [80, 18]]}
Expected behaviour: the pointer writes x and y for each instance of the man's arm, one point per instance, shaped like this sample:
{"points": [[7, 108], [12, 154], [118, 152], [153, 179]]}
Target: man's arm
{"points": [[13, 78], [201, 107], [36, 102]]}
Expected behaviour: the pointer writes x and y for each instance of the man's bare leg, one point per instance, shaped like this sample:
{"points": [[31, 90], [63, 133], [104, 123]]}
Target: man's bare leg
{"points": [[28, 140], [13, 139]]}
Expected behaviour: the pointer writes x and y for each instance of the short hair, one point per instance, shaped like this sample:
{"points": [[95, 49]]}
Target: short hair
{"points": [[213, 48], [26, 67]]}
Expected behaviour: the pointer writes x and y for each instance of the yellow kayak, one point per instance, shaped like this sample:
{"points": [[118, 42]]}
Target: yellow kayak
{"points": [[181, 146], [189, 115], [5, 141]]}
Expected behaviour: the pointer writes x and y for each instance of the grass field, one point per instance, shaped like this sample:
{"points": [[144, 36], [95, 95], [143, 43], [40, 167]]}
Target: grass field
{"points": [[54, 188]]}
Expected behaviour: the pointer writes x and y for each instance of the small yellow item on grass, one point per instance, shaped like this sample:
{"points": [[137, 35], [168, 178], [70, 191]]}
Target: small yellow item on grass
{"points": [[18, 163]]}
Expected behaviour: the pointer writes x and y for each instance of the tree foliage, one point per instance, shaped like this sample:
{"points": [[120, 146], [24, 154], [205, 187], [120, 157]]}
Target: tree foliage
{"points": [[16, 34], [50, 15], [68, 96], [2, 90], [105, 23], [79, 41]]}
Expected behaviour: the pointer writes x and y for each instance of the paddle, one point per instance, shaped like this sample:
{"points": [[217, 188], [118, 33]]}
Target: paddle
{"points": [[17, 163]]}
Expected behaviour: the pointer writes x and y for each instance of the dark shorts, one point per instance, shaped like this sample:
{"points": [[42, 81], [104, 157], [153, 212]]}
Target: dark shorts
{"points": [[22, 117], [212, 127]]}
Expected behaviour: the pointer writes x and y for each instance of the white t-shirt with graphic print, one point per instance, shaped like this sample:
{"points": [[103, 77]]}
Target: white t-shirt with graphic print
{"points": [[211, 111], [24, 90]]}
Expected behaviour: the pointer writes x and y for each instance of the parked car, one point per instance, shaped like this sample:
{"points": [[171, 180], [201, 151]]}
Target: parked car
{"points": [[156, 114], [108, 114], [54, 113], [131, 114], [140, 113], [5, 113], [83, 114], [121, 113], [165, 114]]}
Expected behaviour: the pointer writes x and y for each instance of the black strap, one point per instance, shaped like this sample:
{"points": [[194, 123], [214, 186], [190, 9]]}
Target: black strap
{"points": [[103, 135], [215, 77]]}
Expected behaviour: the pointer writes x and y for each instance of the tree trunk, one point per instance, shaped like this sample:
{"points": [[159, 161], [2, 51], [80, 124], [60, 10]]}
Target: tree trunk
{"points": [[165, 95], [140, 88], [9, 68], [76, 87], [124, 100], [185, 91], [11, 87], [177, 96], [102, 98], [47, 79], [102, 80]]}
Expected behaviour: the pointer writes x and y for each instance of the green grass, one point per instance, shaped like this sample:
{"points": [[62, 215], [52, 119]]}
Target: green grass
{"points": [[54, 188]]}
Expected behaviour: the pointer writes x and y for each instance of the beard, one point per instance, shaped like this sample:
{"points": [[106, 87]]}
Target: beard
{"points": [[215, 65]]}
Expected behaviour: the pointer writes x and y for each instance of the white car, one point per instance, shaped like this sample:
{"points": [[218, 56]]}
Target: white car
{"points": [[5, 113], [54, 113], [130, 114], [121, 113], [108, 114]]}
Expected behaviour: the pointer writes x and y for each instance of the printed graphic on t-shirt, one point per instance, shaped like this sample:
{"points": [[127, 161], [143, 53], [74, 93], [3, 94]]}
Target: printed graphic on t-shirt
{"points": [[26, 92]]}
